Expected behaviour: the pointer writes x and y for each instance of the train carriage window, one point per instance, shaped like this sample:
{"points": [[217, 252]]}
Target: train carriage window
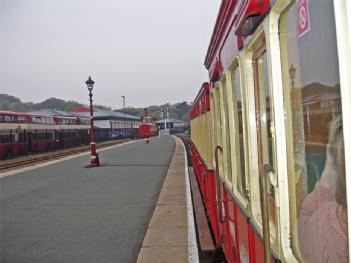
{"points": [[7, 118], [5, 137], [218, 127], [22, 119], [238, 123], [37, 119], [315, 137], [263, 127], [225, 132]]}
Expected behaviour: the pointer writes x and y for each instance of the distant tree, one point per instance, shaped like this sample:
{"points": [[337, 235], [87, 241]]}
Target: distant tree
{"points": [[132, 111], [72, 104], [102, 107], [9, 98], [51, 103], [178, 110]]}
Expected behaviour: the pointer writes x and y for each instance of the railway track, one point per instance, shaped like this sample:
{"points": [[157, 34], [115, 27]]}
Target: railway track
{"points": [[29, 160]]}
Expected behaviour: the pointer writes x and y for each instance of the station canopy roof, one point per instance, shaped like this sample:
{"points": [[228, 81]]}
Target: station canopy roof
{"points": [[98, 114], [169, 120], [107, 115], [50, 112]]}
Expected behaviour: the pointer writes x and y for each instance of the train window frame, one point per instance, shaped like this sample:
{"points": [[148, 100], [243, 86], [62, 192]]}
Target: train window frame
{"points": [[261, 38], [225, 132], [216, 126], [290, 156], [7, 118], [243, 198], [253, 175], [260, 51]]}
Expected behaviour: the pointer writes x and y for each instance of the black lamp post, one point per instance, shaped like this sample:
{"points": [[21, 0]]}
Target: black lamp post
{"points": [[94, 159], [124, 115]]}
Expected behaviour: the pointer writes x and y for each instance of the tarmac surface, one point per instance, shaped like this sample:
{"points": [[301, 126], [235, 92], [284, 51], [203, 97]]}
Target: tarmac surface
{"points": [[66, 212]]}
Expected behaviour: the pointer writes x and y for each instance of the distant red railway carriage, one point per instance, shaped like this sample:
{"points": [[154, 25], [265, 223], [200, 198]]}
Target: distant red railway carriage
{"points": [[262, 129], [147, 128], [22, 133]]}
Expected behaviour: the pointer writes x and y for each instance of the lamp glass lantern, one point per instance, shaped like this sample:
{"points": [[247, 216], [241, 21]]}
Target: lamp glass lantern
{"points": [[90, 84]]}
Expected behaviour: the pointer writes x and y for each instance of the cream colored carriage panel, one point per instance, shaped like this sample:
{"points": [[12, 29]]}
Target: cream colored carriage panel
{"points": [[205, 138], [200, 136], [194, 131], [204, 135], [209, 139]]}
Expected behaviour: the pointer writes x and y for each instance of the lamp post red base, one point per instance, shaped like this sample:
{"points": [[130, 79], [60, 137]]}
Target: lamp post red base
{"points": [[94, 158]]}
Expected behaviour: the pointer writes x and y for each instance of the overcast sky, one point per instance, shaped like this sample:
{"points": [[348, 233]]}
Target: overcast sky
{"points": [[150, 51]]}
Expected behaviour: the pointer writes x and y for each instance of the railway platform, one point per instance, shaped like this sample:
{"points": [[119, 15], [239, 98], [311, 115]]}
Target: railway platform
{"points": [[171, 235], [135, 207]]}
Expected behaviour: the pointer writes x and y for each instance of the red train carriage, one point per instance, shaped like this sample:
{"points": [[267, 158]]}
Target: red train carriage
{"points": [[268, 131], [22, 133], [147, 128]]}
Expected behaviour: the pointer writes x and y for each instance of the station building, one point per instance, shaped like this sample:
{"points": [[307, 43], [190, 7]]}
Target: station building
{"points": [[172, 125], [112, 123]]}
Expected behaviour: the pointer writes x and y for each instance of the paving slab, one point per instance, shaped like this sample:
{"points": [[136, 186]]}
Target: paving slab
{"points": [[157, 255]]}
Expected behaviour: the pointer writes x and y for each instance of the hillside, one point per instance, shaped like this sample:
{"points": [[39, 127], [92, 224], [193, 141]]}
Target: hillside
{"points": [[10, 103], [178, 111]]}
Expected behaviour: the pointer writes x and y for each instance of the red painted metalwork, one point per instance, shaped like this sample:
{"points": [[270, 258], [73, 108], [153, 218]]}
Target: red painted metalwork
{"points": [[244, 16], [202, 101], [221, 27], [249, 15], [80, 109], [216, 70], [231, 227], [94, 159], [147, 130], [240, 42]]}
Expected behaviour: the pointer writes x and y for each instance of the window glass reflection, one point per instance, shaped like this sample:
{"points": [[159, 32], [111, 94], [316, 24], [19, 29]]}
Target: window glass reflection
{"points": [[316, 137]]}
